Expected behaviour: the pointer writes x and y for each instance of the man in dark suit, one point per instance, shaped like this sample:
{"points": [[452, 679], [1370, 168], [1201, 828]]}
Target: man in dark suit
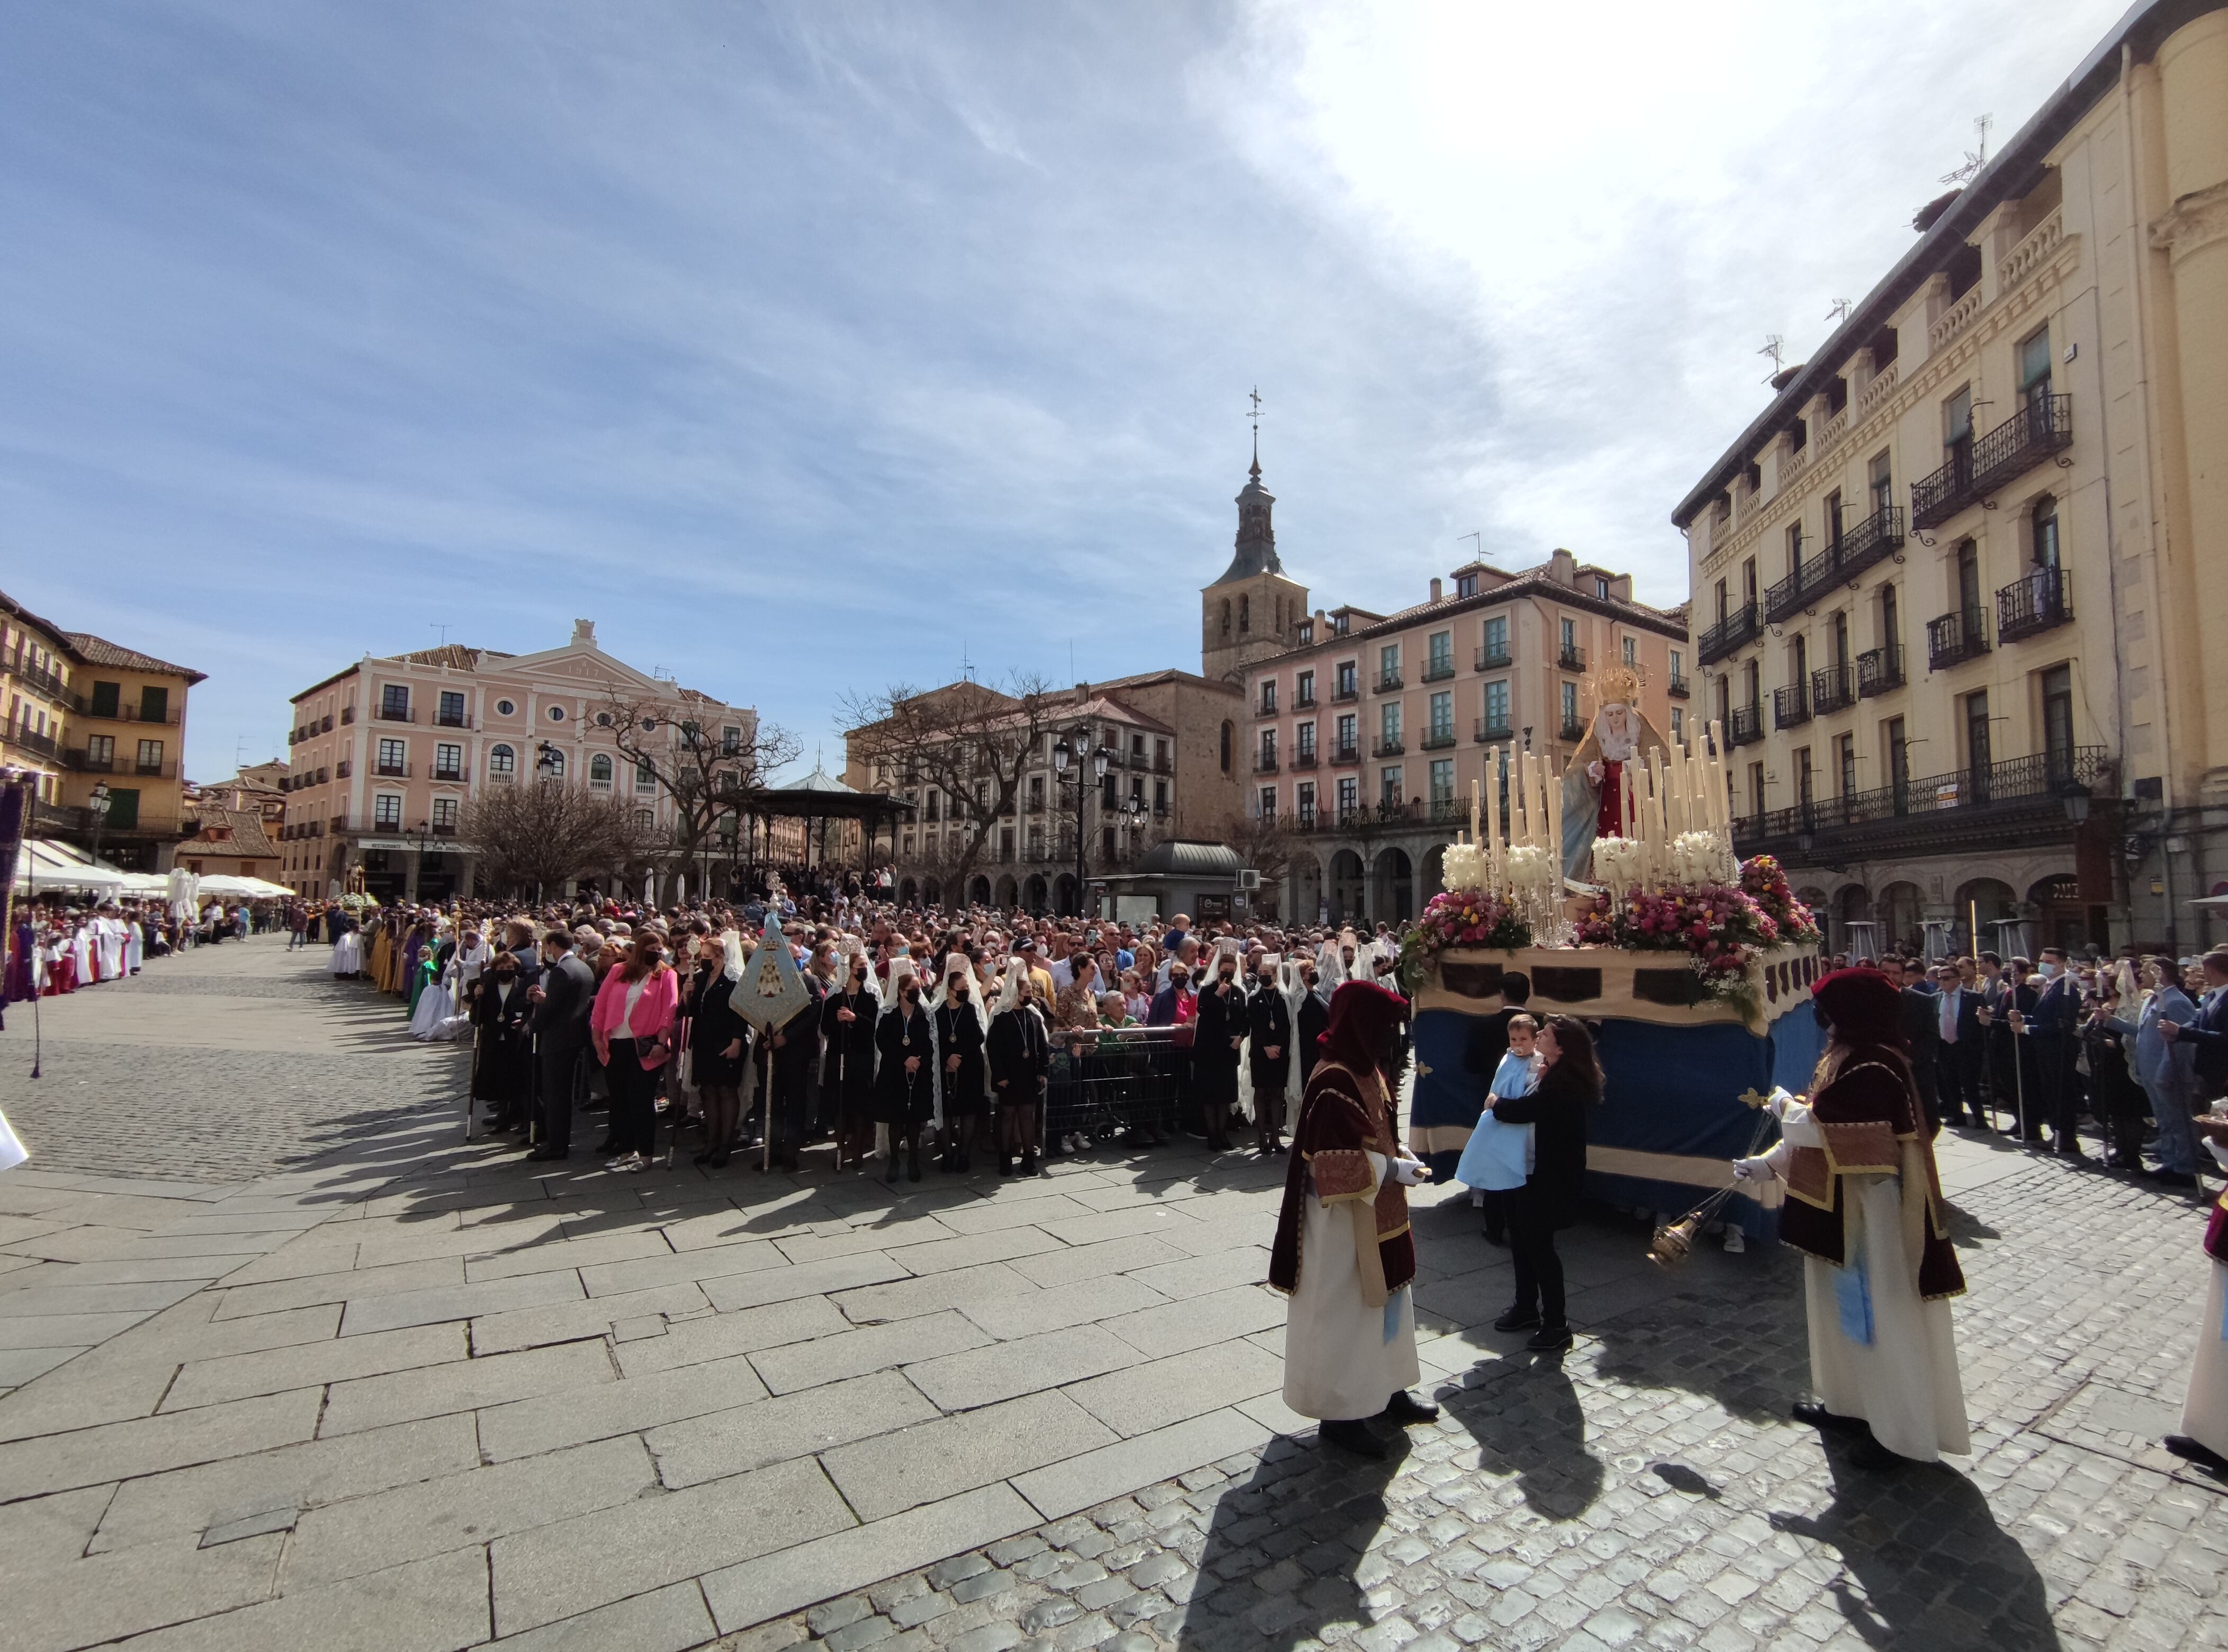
{"points": [[562, 1000], [1922, 1032], [2209, 1033], [2054, 1025], [1957, 1061]]}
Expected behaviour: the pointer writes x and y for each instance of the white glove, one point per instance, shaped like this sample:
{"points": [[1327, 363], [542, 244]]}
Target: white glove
{"points": [[1408, 1172], [1754, 1170]]}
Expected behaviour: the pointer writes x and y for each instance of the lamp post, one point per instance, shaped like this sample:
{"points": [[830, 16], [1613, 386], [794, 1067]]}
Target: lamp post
{"points": [[1064, 753], [98, 804], [421, 834]]}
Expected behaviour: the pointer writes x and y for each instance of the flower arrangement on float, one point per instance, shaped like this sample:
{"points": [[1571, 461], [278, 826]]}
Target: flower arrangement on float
{"points": [[1721, 929], [1765, 881], [1459, 917]]}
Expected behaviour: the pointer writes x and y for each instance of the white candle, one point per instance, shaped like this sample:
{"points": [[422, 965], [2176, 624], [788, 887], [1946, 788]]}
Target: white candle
{"points": [[1473, 811], [1552, 785], [1493, 806]]}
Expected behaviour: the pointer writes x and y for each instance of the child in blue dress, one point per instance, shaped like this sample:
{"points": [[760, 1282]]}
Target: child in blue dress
{"points": [[1498, 1156]]}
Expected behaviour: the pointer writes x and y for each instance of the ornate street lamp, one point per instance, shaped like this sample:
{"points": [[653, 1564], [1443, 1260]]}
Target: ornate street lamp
{"points": [[98, 804]]}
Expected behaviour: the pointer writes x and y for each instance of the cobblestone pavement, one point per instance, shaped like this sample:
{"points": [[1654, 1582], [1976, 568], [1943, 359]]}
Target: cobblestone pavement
{"points": [[430, 1398], [220, 1065]]}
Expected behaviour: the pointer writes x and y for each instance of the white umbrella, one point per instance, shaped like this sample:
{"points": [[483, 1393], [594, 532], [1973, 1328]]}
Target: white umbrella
{"points": [[44, 864], [225, 884]]}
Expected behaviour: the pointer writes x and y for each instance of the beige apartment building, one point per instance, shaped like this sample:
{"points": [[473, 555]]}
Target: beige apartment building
{"points": [[1367, 732], [384, 755], [102, 727], [1955, 589]]}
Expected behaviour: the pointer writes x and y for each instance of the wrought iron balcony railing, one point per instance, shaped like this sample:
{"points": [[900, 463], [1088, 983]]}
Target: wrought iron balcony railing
{"points": [[1438, 670], [1857, 549], [1438, 739], [1574, 729], [2033, 787], [1956, 638], [1395, 748], [1743, 625], [1880, 670], [1744, 725], [1791, 707], [1571, 657], [1494, 659], [1977, 469], [2035, 602], [1490, 733], [1833, 688], [1390, 682], [1677, 687]]}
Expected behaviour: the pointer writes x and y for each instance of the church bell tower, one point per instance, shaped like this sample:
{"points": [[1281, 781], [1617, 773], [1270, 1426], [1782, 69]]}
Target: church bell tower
{"points": [[1253, 610]]}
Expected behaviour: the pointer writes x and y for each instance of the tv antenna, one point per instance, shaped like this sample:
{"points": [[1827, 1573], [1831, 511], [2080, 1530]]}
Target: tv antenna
{"points": [[436, 625], [1975, 158], [1839, 311], [1476, 534], [1776, 348]]}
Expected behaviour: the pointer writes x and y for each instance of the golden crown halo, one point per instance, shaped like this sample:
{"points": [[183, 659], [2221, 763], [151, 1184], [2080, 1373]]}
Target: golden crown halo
{"points": [[1614, 685]]}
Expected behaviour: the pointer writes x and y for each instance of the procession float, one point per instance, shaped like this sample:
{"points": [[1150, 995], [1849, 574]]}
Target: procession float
{"points": [[1615, 888]]}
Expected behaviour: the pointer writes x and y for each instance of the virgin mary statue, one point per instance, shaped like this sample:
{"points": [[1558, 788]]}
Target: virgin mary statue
{"points": [[1594, 780]]}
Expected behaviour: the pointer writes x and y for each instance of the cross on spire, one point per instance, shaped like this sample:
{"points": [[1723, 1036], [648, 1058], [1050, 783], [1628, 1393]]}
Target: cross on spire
{"points": [[1256, 417]]}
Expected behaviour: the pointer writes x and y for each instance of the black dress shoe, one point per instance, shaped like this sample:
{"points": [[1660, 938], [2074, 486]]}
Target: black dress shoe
{"points": [[1811, 1414], [1550, 1339], [2204, 1455], [1869, 1453], [1405, 1408], [545, 1155], [2166, 1178], [1517, 1319], [1352, 1436]]}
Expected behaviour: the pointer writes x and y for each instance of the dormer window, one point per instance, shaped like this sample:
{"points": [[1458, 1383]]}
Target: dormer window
{"points": [[1465, 584], [1601, 588]]}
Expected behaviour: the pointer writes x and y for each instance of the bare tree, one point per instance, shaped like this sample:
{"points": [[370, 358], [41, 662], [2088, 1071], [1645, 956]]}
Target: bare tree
{"points": [[538, 834], [1262, 842], [707, 768], [973, 743]]}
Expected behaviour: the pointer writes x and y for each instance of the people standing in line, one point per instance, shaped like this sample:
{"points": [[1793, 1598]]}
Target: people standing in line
{"points": [[1019, 1049], [564, 999], [719, 1044], [502, 1054], [1557, 1107], [1921, 1011], [793, 1048], [1269, 1020], [905, 1078], [1222, 1029], [1957, 1053], [960, 1039], [2054, 1026], [2208, 1032], [633, 1017], [2167, 1072], [847, 1017]]}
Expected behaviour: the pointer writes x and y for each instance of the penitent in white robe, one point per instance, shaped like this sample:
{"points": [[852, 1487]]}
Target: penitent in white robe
{"points": [[135, 947], [110, 943], [1344, 1359], [2204, 1408], [1904, 1381]]}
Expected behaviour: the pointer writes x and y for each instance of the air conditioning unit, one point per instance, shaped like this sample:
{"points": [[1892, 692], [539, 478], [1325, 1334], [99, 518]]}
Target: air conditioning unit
{"points": [[1249, 879]]}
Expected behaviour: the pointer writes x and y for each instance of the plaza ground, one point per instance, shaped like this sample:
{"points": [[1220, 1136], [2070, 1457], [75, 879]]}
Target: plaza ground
{"points": [[291, 1365]]}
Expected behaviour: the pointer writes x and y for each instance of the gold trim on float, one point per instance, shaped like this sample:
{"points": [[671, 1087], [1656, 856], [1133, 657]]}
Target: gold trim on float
{"points": [[1606, 981]]}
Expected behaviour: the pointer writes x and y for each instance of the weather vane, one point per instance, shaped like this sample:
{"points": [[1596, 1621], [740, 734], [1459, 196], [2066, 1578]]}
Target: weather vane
{"points": [[1975, 158], [1256, 417], [1775, 347]]}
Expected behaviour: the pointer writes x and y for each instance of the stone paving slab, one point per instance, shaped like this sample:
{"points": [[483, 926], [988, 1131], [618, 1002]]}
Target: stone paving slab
{"points": [[459, 1397]]}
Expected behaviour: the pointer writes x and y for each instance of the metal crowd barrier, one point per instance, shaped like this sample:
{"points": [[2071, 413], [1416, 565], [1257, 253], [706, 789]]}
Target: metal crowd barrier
{"points": [[1129, 1077]]}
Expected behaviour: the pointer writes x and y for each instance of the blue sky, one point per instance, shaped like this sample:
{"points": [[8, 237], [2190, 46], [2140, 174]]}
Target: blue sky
{"points": [[804, 347]]}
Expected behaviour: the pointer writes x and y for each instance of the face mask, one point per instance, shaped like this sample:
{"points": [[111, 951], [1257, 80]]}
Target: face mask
{"points": [[2049, 970]]}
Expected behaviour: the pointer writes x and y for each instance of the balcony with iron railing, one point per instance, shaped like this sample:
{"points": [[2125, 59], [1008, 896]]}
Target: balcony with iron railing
{"points": [[395, 714], [1390, 683], [1833, 688], [29, 739], [1490, 733], [1345, 754], [1267, 707], [457, 773], [1744, 725], [1394, 746], [122, 713], [1677, 687], [2036, 601], [1880, 670], [1265, 763], [1743, 625], [39, 681], [1956, 638], [1438, 739], [1870, 542], [1571, 657], [1363, 818], [1495, 659], [1791, 707], [454, 719], [1345, 691], [2020, 802], [1439, 670], [1977, 469], [348, 715], [1574, 729], [1303, 700], [391, 770], [1305, 758]]}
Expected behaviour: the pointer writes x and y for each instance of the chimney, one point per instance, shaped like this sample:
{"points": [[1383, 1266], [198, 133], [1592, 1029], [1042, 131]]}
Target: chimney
{"points": [[1434, 589], [1563, 568], [584, 630]]}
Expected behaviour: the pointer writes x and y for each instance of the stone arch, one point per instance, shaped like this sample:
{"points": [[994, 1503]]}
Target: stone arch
{"points": [[1064, 895], [1393, 887], [908, 893], [1987, 900], [978, 892], [1902, 911], [1435, 875], [1009, 895], [1852, 906], [932, 891], [1304, 878], [1033, 893], [1347, 885]]}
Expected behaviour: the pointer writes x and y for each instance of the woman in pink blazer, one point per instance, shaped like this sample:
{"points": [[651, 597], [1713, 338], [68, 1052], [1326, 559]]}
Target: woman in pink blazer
{"points": [[632, 1027]]}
